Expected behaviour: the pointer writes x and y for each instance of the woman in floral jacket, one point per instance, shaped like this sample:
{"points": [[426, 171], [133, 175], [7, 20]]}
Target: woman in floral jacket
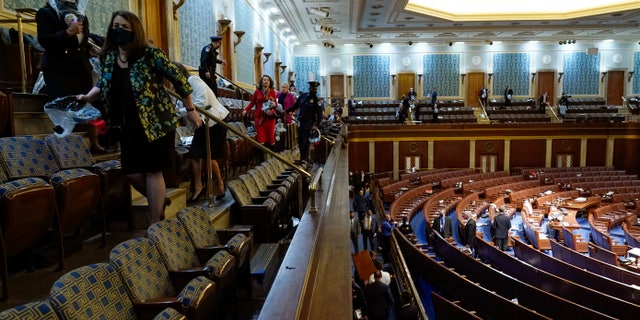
{"points": [[139, 108]]}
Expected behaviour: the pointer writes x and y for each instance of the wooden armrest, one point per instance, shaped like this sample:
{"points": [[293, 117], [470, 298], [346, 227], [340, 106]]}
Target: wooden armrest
{"points": [[204, 254], [180, 278], [150, 308]]}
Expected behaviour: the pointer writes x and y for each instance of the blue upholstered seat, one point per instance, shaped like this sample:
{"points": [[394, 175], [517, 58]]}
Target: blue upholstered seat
{"points": [[147, 280], [91, 292], [18, 231], [179, 255], [39, 310]]}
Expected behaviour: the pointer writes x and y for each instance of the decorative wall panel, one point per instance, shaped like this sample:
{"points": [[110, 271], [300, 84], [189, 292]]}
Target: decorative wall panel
{"points": [[581, 73], [513, 70], [636, 74], [595, 149], [307, 69], [194, 36], [244, 51], [441, 71], [371, 76]]}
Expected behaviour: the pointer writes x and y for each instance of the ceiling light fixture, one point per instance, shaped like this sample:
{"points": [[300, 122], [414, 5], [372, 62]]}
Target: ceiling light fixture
{"points": [[322, 12]]}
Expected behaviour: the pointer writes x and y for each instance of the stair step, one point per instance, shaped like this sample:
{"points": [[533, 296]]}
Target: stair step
{"points": [[140, 209]]}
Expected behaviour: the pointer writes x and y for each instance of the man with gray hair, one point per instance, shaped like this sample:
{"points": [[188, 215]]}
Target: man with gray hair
{"points": [[501, 225]]}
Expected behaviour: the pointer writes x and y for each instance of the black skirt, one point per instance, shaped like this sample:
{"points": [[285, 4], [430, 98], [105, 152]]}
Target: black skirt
{"points": [[217, 139]]}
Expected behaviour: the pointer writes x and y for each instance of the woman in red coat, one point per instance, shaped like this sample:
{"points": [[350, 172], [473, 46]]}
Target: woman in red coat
{"points": [[264, 116]]}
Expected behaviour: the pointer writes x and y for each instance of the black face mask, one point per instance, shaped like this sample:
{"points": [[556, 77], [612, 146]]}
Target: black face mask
{"points": [[68, 6], [122, 36]]}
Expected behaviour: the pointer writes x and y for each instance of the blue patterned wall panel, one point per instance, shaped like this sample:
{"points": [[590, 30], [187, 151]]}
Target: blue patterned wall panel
{"points": [[269, 47], [244, 21], [305, 68], [513, 70], [194, 36], [581, 73], [441, 71], [636, 77], [284, 57], [372, 76], [98, 12]]}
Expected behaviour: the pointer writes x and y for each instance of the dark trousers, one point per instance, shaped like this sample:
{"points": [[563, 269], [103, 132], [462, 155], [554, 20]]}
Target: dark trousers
{"points": [[501, 243], [386, 247], [303, 140], [367, 239], [354, 240]]}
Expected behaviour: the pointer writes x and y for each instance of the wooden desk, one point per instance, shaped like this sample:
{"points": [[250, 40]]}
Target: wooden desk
{"points": [[581, 206], [364, 265]]}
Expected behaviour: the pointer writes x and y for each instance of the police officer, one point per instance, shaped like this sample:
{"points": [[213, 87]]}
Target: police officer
{"points": [[309, 115], [208, 62]]}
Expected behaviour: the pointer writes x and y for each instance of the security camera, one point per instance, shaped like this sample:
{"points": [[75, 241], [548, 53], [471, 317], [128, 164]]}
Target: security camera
{"points": [[490, 43], [370, 45], [450, 44], [410, 43]]}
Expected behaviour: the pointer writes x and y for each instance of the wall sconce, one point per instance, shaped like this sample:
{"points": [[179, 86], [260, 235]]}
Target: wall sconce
{"points": [[393, 79], [560, 76], [177, 6], [224, 25], [490, 75], [419, 78], [462, 75], [238, 34], [283, 68], [350, 78], [630, 76], [267, 55], [533, 76], [604, 74]]}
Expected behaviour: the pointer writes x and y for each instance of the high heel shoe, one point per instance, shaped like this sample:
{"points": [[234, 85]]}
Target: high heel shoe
{"points": [[196, 196]]}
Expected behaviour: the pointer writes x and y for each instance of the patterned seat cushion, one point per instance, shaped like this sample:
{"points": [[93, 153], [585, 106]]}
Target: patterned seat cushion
{"points": [[220, 264], [170, 314], [142, 270], [108, 165], [91, 292], [199, 226], [63, 176], [39, 310], [70, 151], [26, 156], [9, 188], [172, 240]]}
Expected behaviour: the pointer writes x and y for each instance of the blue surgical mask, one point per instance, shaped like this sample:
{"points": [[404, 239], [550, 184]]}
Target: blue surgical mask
{"points": [[122, 36]]}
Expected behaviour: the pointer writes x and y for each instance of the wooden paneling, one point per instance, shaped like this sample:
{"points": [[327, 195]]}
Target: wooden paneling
{"points": [[625, 155], [413, 149], [595, 149], [565, 147], [475, 81], [451, 154], [384, 156], [615, 87], [358, 156], [546, 83], [405, 82], [490, 147], [337, 89], [527, 153], [154, 20]]}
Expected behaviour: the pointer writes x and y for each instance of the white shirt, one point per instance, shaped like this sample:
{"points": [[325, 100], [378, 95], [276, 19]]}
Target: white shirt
{"points": [[386, 278], [204, 98]]}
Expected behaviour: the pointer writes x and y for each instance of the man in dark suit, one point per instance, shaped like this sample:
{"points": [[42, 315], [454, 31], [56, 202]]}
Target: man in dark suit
{"points": [[408, 310], [501, 226], [352, 106], [484, 95], [508, 95], [544, 102], [369, 228], [354, 229], [379, 299], [209, 61], [442, 225], [470, 234]]}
